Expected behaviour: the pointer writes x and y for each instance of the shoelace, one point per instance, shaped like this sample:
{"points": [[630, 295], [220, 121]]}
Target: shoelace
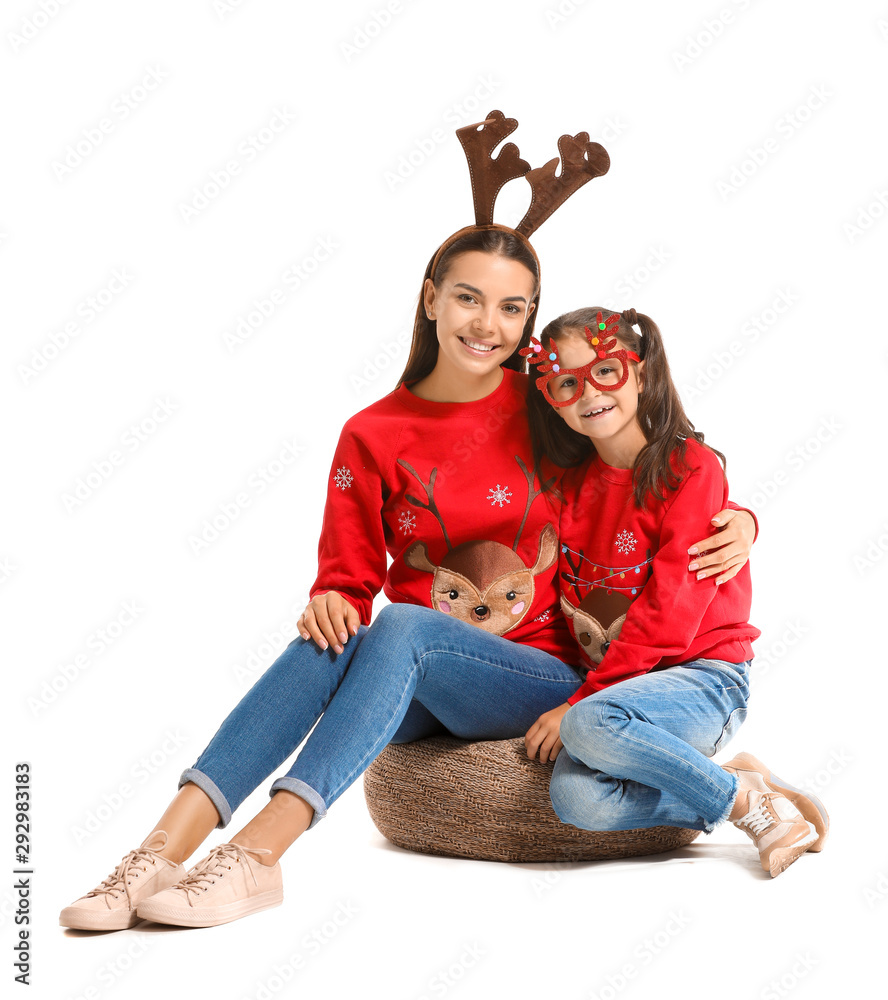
{"points": [[760, 817], [118, 880], [211, 868]]}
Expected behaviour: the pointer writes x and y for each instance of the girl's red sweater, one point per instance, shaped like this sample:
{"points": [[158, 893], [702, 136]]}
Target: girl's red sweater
{"points": [[619, 560]]}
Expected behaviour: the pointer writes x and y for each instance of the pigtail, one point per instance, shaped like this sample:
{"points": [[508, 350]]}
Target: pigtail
{"points": [[661, 464]]}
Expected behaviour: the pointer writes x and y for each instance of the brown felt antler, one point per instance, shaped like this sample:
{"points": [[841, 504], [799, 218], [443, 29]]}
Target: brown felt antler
{"points": [[490, 173], [581, 160], [429, 488]]}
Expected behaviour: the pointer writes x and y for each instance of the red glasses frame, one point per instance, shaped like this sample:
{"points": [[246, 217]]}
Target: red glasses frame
{"points": [[601, 341]]}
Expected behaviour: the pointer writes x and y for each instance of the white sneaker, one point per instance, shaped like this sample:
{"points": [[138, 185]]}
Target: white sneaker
{"points": [[228, 884], [111, 906]]}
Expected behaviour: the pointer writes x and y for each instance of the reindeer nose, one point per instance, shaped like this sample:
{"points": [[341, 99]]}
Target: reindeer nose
{"points": [[481, 612]]}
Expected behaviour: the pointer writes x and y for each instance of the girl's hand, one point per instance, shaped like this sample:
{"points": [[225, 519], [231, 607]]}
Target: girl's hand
{"points": [[728, 548], [543, 735], [329, 620]]}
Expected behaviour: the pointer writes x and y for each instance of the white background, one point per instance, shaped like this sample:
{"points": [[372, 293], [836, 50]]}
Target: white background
{"points": [[748, 166]]}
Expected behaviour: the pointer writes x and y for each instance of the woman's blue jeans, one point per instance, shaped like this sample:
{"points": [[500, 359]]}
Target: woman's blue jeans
{"points": [[636, 754], [412, 673]]}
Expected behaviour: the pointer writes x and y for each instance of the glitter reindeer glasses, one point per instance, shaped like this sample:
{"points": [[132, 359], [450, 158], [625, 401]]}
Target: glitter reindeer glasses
{"points": [[608, 370]]}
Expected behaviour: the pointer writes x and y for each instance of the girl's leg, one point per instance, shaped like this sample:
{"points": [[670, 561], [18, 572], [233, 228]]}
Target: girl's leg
{"points": [[636, 755]]}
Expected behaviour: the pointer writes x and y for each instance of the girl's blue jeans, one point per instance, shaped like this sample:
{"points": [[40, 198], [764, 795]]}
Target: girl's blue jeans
{"points": [[637, 754], [413, 673]]}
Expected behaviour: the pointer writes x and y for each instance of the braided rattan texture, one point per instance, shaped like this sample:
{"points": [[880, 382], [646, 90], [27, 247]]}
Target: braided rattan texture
{"points": [[488, 802]]}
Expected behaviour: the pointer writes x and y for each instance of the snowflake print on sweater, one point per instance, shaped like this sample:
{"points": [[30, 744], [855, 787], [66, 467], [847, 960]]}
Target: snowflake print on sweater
{"points": [[407, 522], [343, 478], [626, 542], [500, 495]]}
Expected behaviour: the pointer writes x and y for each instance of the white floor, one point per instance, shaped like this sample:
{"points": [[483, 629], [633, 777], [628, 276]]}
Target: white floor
{"points": [[364, 918]]}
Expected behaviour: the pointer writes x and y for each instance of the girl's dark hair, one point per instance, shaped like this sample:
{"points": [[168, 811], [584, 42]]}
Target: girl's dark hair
{"points": [[661, 415], [424, 348]]}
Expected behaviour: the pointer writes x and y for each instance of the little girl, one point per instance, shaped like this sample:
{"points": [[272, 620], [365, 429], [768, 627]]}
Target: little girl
{"points": [[667, 654]]}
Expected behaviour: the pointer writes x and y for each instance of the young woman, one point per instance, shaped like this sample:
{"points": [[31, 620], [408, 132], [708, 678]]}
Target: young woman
{"points": [[438, 474], [667, 656]]}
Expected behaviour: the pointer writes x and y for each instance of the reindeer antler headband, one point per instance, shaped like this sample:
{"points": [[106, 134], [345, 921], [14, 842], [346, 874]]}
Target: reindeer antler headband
{"points": [[581, 160]]}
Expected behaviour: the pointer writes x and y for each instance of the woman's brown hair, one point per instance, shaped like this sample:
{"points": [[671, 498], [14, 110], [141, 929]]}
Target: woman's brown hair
{"points": [[662, 417], [500, 242]]}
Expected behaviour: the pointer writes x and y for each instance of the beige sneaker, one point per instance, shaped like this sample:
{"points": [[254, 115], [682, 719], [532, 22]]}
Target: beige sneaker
{"points": [[229, 883], [779, 831], [808, 805], [111, 906]]}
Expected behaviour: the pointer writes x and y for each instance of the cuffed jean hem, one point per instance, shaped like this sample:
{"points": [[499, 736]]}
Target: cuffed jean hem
{"points": [[211, 790], [709, 827], [304, 791]]}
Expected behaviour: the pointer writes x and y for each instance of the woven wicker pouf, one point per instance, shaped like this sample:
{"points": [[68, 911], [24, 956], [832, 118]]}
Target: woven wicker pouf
{"points": [[488, 802]]}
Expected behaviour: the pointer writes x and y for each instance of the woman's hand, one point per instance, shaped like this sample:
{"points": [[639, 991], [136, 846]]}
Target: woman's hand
{"points": [[329, 619], [728, 549], [543, 735]]}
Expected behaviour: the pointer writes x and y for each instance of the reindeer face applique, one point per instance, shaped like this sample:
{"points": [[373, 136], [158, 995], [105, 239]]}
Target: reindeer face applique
{"points": [[597, 621], [484, 583]]}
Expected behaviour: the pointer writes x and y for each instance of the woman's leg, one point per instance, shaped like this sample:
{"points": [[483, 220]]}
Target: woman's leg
{"points": [[475, 685], [636, 755], [264, 729]]}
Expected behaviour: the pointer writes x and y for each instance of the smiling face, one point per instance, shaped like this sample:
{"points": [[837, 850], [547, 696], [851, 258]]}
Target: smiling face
{"points": [[609, 417], [479, 309]]}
